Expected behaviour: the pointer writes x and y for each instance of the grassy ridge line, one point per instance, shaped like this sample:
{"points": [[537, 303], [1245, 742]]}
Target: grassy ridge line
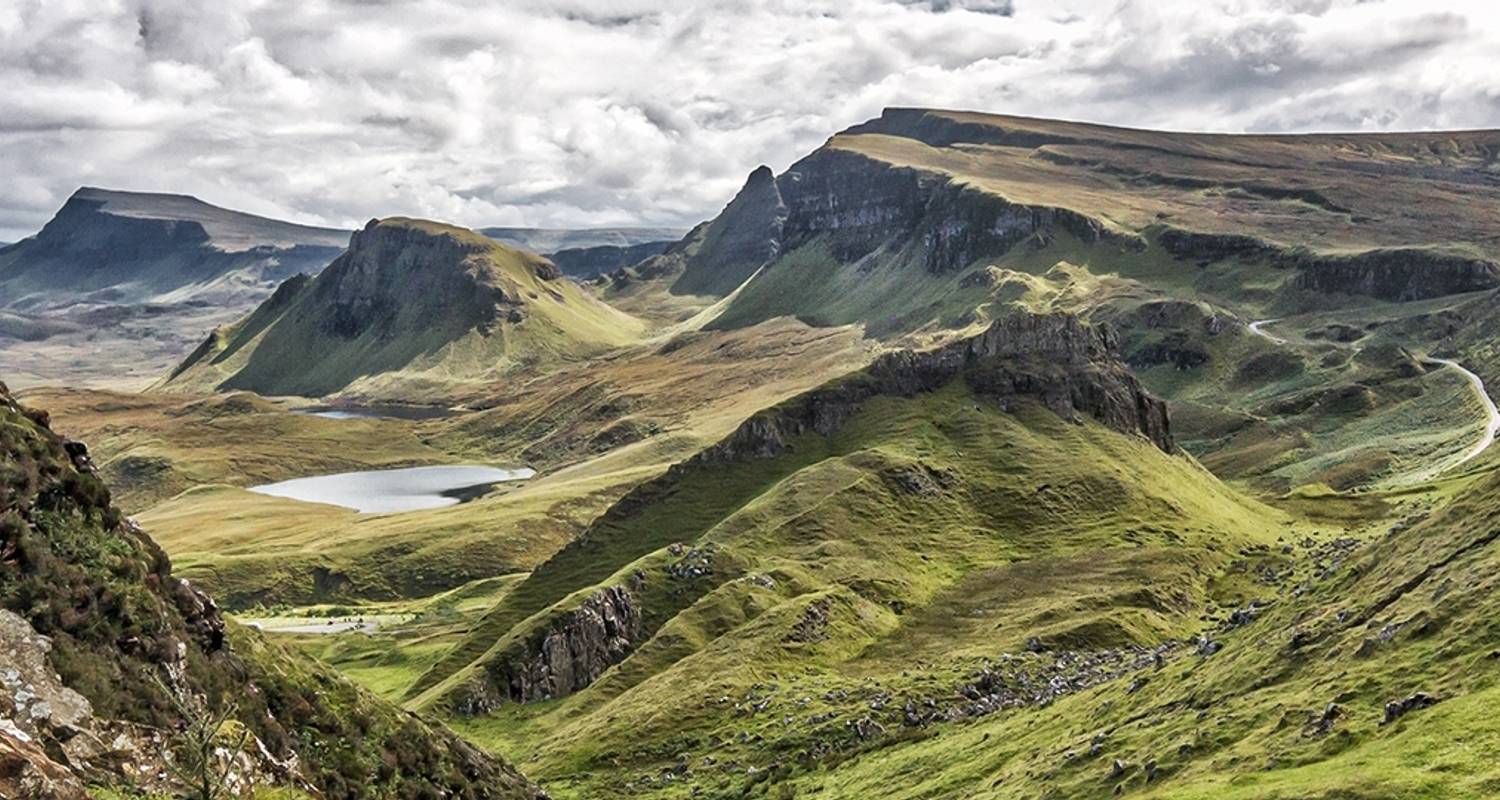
{"points": [[1123, 550], [412, 309]]}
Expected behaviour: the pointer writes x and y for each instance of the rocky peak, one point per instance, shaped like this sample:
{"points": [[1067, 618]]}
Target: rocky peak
{"points": [[742, 239], [396, 263], [1069, 366]]}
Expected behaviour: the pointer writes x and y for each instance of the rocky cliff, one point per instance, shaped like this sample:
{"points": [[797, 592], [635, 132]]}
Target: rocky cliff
{"points": [[123, 247], [411, 306], [566, 655], [1067, 365], [105, 654], [1396, 275], [746, 236], [857, 205]]}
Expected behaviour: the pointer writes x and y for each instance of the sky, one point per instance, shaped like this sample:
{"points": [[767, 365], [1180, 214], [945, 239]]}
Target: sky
{"points": [[580, 113]]}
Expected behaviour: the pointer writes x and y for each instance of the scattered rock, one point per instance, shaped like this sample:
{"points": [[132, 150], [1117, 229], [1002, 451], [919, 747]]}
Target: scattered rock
{"points": [[1396, 709]]}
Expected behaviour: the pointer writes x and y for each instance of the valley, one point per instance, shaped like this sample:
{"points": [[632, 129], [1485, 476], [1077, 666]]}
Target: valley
{"points": [[969, 456]]}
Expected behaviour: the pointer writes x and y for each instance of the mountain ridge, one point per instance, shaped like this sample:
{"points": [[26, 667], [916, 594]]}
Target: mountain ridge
{"points": [[407, 294]]}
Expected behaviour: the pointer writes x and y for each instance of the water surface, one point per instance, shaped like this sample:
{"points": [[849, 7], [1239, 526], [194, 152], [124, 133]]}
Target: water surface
{"points": [[376, 412], [386, 490]]}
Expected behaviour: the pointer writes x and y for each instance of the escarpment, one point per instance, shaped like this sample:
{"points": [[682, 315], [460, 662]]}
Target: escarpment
{"points": [[1067, 365], [744, 237], [1397, 275], [122, 247], [857, 205], [411, 307], [388, 266]]}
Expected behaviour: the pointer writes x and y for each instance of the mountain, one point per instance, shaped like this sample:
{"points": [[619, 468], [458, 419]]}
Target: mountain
{"points": [[591, 262], [550, 240], [129, 278], [110, 661], [926, 199], [411, 307], [114, 247], [786, 591], [929, 223]]}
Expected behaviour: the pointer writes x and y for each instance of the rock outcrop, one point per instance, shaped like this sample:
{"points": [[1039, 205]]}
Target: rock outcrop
{"points": [[1067, 365], [744, 237], [566, 655], [1397, 275], [389, 267], [857, 205]]}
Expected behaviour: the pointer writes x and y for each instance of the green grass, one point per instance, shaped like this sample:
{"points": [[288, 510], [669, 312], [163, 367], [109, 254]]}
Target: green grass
{"points": [[423, 306], [1127, 548]]}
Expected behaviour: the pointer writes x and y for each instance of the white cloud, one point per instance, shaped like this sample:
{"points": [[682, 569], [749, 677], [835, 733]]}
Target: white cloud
{"points": [[579, 112]]}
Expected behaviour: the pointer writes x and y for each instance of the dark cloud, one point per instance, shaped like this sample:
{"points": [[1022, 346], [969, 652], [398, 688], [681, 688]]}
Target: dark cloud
{"points": [[578, 112]]}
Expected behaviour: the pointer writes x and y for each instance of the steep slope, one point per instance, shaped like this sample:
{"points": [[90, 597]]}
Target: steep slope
{"points": [[931, 194], [411, 308], [108, 657], [926, 224], [118, 284], [130, 247], [873, 538], [1054, 362]]}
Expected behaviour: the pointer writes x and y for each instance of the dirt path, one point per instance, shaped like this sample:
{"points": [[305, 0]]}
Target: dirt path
{"points": [[1492, 424]]}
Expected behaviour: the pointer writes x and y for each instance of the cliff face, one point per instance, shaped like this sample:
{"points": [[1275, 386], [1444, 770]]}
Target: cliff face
{"points": [[411, 307], [93, 251], [1067, 365], [1396, 275], [567, 655], [857, 205], [743, 238], [102, 648], [391, 270]]}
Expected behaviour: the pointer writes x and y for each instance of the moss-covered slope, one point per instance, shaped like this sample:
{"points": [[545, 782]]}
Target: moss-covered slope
{"points": [[141, 645], [411, 308]]}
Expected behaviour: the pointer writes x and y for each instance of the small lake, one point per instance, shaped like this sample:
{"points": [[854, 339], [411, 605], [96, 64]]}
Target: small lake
{"points": [[375, 412], [384, 491]]}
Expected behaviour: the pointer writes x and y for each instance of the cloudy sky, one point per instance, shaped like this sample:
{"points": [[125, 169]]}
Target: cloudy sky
{"points": [[606, 112]]}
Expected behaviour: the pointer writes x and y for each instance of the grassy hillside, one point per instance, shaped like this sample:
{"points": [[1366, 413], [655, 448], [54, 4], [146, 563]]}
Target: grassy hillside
{"points": [[146, 654], [890, 559], [181, 463], [411, 309]]}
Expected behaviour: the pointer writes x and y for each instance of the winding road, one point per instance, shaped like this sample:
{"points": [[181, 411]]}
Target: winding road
{"points": [[1492, 424]]}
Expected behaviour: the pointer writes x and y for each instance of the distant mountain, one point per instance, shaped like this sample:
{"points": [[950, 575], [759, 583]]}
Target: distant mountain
{"points": [[891, 222], [550, 240], [119, 285], [410, 307], [591, 262], [129, 247], [112, 663]]}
